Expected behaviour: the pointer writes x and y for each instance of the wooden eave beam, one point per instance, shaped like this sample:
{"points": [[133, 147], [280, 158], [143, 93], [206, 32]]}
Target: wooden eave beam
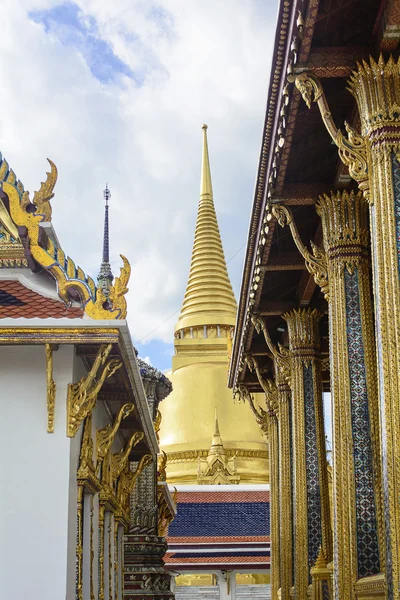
{"points": [[274, 308], [334, 61], [284, 261]]}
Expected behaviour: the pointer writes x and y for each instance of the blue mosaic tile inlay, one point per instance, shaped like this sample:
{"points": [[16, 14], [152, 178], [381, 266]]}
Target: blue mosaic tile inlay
{"points": [[196, 519], [367, 536], [312, 471], [396, 190]]}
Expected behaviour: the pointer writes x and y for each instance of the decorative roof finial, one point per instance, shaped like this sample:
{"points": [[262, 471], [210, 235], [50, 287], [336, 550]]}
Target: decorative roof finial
{"points": [[105, 277]]}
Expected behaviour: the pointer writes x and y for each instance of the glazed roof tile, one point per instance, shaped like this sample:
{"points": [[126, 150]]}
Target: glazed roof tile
{"points": [[220, 519], [214, 497], [17, 301], [222, 539]]}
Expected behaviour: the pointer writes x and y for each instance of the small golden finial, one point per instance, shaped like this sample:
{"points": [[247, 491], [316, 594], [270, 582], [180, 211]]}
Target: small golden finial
{"points": [[205, 127]]}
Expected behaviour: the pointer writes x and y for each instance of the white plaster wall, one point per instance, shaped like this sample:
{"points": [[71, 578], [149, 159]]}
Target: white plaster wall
{"points": [[35, 476]]}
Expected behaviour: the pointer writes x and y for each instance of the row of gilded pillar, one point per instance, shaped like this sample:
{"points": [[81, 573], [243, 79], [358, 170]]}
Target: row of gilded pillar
{"points": [[359, 556]]}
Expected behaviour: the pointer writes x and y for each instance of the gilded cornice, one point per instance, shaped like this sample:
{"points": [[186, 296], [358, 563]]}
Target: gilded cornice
{"points": [[194, 455]]}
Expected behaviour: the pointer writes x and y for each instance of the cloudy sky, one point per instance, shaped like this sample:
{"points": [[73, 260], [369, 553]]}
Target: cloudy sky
{"points": [[118, 91]]}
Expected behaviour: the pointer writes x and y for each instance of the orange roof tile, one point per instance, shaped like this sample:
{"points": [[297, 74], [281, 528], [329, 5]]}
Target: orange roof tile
{"points": [[214, 497], [218, 539], [171, 560], [17, 301]]}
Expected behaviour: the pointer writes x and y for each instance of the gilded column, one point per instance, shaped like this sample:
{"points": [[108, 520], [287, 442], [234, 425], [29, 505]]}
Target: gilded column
{"points": [[373, 158], [285, 485], [268, 421], [376, 88], [285, 465], [355, 418], [312, 519]]}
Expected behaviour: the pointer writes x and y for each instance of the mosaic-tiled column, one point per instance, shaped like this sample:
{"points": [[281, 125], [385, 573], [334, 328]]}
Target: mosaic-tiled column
{"points": [[355, 408], [312, 518], [373, 158], [376, 88]]}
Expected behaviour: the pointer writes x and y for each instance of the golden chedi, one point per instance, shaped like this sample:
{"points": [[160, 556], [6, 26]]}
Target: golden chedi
{"points": [[190, 428]]}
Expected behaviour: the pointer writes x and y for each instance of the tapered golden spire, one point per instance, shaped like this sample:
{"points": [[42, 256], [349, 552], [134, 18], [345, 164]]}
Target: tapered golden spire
{"points": [[209, 298]]}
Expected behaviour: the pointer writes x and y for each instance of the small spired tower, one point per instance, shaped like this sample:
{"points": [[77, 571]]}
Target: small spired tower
{"points": [[105, 277], [202, 344]]}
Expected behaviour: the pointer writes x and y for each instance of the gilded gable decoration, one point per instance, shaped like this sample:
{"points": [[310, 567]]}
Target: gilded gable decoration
{"points": [[23, 243]]}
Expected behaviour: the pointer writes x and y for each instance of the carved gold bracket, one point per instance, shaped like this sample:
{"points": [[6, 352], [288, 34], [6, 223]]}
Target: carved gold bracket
{"points": [[280, 354], [51, 388], [82, 396], [120, 459], [352, 150], [128, 479], [268, 385], [105, 436], [316, 263], [261, 416]]}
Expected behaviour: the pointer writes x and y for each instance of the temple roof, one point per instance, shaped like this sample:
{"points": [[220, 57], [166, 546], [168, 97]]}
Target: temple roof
{"points": [[18, 301], [28, 244], [209, 298], [231, 525], [298, 163]]}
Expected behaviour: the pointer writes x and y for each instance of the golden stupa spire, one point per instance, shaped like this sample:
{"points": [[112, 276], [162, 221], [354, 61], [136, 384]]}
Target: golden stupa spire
{"points": [[209, 298]]}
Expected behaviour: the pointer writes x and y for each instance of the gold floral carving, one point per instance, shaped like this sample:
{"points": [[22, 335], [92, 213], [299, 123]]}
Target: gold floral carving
{"points": [[102, 510], [79, 544], [91, 549], [82, 396], [128, 479], [62, 268], [51, 388], [105, 436], [352, 149], [316, 262]]}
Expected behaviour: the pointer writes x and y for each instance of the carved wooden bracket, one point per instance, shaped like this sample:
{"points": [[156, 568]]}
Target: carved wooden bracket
{"points": [[105, 436], [128, 479], [120, 459], [316, 263], [280, 354], [352, 149], [82, 396]]}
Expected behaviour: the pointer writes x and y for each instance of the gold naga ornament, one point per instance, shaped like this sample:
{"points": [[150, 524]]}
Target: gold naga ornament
{"points": [[52, 258]]}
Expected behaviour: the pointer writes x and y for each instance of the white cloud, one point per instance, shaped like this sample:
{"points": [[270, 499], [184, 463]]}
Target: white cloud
{"points": [[199, 62]]}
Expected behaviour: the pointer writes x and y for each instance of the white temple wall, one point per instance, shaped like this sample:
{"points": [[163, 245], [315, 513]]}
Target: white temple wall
{"points": [[38, 485], [35, 475]]}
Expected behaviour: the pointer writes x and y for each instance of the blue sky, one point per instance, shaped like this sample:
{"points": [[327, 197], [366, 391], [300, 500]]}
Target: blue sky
{"points": [[118, 92]]}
